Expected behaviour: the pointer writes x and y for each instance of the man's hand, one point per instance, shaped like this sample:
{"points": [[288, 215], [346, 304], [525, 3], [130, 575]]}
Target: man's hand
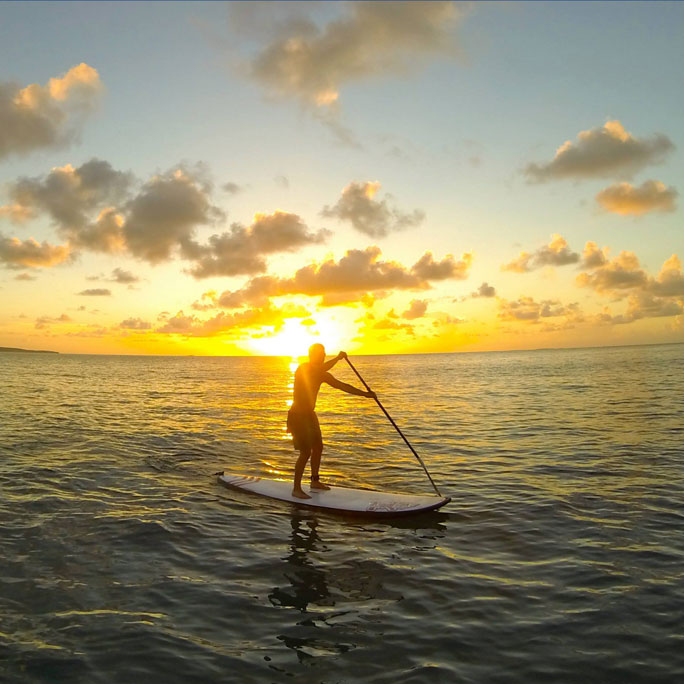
{"points": [[371, 395], [342, 355]]}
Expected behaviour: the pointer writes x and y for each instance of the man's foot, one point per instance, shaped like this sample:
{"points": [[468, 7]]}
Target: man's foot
{"points": [[300, 494], [317, 484]]}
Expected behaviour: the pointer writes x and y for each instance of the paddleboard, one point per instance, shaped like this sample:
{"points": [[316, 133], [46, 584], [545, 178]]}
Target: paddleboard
{"points": [[338, 499]]}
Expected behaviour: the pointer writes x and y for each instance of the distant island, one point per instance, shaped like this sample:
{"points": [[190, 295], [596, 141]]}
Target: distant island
{"points": [[27, 351]]}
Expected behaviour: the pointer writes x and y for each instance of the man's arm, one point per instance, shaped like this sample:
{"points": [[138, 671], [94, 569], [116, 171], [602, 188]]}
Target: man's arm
{"points": [[329, 364], [349, 389]]}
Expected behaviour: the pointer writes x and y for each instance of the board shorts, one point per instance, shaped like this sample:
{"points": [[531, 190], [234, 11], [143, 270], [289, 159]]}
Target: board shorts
{"points": [[305, 430]]}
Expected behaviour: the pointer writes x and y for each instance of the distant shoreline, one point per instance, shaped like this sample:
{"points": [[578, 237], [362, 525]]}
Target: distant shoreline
{"points": [[27, 351]]}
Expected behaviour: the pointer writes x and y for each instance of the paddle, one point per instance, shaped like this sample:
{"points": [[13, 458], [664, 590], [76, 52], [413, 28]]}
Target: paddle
{"points": [[396, 427]]}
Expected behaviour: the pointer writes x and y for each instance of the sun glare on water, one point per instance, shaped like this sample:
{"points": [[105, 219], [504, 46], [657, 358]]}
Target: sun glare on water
{"points": [[296, 336]]}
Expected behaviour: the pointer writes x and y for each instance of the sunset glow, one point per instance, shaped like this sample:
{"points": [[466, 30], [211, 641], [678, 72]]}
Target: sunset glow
{"points": [[297, 335], [385, 181]]}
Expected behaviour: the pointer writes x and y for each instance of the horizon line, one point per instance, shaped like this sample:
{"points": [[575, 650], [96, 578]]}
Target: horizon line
{"points": [[288, 356]]}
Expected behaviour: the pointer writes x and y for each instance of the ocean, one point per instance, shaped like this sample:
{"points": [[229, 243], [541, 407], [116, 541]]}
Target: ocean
{"points": [[559, 559]]}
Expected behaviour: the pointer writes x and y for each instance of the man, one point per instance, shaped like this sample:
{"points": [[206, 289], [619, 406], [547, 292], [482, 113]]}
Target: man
{"points": [[302, 421]]}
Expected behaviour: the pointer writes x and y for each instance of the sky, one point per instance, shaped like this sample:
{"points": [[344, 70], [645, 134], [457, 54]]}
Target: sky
{"points": [[382, 177]]}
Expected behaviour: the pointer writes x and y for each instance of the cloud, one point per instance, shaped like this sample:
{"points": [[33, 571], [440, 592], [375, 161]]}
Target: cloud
{"points": [[97, 208], [43, 322], [592, 256], [124, 277], [642, 305], [231, 188], [16, 213], [375, 218], [521, 264], [670, 281], [390, 324], [448, 268], [24, 276], [224, 322], [70, 196], [208, 301], [556, 253], [342, 298], [605, 152], [624, 275], [38, 116], [119, 275], [529, 310], [15, 253], [619, 274], [369, 323], [96, 292], [166, 212], [485, 290], [241, 250], [135, 324], [417, 309], [370, 39], [356, 272], [628, 200], [93, 207], [282, 181]]}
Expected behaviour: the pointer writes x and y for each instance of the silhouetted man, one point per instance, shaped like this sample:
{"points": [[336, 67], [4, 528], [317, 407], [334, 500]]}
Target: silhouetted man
{"points": [[302, 421]]}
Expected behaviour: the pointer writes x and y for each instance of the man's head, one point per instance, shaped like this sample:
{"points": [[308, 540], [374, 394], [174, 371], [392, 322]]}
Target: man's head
{"points": [[317, 353]]}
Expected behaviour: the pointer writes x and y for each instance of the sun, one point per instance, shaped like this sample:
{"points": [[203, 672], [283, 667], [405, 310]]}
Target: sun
{"points": [[296, 336]]}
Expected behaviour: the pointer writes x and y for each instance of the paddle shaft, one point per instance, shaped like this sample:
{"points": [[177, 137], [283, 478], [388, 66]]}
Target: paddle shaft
{"points": [[396, 427]]}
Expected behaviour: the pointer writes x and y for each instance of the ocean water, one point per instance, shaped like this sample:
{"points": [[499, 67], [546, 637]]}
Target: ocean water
{"points": [[560, 558]]}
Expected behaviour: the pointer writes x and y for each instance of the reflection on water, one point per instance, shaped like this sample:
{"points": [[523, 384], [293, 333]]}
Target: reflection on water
{"points": [[307, 583], [562, 551]]}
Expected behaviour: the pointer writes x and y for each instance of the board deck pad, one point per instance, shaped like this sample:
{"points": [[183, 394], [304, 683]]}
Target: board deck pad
{"points": [[340, 499]]}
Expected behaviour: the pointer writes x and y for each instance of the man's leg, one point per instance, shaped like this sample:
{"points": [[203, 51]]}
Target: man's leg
{"points": [[316, 452], [297, 490]]}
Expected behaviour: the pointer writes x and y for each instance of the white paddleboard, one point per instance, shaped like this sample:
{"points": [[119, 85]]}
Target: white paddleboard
{"points": [[339, 499]]}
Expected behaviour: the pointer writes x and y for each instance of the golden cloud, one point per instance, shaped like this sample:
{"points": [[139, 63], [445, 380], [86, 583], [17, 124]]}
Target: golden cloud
{"points": [[358, 271], [621, 273], [16, 253], [237, 323], [627, 200], [417, 309]]}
